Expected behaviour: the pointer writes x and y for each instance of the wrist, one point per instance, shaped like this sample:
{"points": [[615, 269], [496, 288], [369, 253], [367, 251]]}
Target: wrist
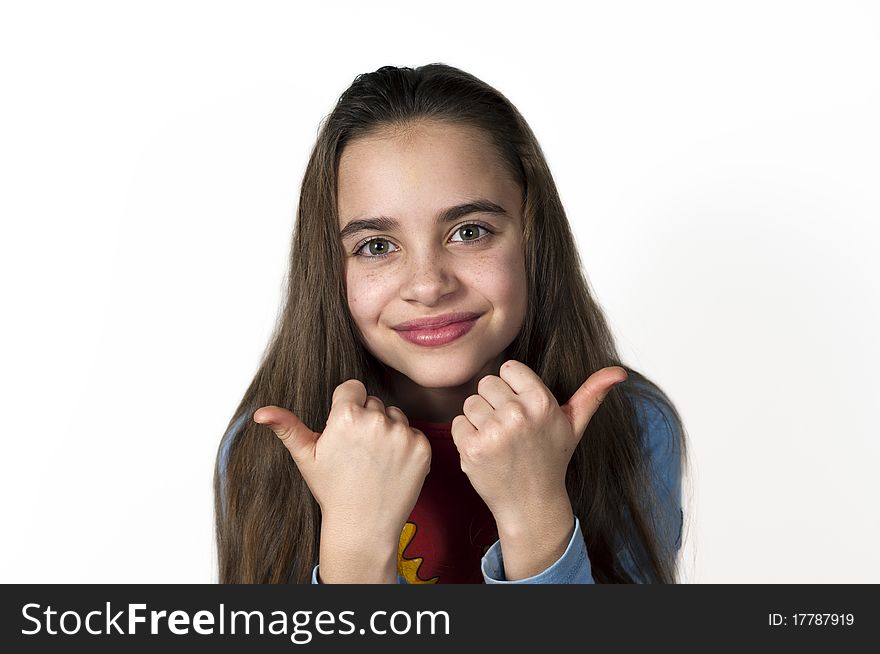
{"points": [[350, 554], [533, 542], [527, 520]]}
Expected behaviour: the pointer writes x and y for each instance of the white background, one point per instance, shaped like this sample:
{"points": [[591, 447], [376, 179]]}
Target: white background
{"points": [[718, 161]]}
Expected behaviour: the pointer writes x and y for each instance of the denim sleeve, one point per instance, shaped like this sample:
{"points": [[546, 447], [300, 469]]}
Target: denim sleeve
{"points": [[663, 446], [315, 580], [573, 567], [663, 449]]}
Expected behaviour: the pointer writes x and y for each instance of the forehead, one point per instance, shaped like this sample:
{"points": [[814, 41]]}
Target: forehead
{"points": [[420, 167]]}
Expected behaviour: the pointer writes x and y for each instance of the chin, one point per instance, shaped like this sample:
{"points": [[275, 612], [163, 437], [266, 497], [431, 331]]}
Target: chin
{"points": [[435, 380], [446, 375]]}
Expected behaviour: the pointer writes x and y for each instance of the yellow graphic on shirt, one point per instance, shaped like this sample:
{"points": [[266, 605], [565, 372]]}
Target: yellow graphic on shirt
{"points": [[409, 568]]}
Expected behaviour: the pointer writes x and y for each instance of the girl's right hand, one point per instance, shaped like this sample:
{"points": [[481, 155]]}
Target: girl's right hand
{"points": [[365, 470]]}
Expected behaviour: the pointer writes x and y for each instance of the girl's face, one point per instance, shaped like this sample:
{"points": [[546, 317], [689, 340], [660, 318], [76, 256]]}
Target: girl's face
{"points": [[431, 225]]}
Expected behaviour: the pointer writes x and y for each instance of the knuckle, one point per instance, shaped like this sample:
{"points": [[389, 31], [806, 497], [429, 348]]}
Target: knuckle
{"points": [[348, 383], [346, 412], [284, 434], [398, 430], [470, 401], [396, 415], [355, 383], [375, 419], [544, 403], [474, 450], [493, 431], [515, 414], [423, 449]]}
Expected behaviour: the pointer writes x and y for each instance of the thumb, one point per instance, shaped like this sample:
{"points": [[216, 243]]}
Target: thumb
{"points": [[586, 399], [297, 438]]}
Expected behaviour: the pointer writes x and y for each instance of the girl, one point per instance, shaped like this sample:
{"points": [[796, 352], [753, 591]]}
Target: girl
{"points": [[446, 399]]}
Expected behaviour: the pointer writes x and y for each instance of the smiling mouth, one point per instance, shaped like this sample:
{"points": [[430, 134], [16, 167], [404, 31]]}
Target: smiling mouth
{"points": [[438, 334], [433, 322]]}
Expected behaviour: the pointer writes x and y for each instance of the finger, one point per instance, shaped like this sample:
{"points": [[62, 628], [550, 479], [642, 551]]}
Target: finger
{"points": [[495, 391], [477, 410], [586, 399], [375, 404], [462, 431], [520, 378], [296, 436], [397, 415], [351, 390]]}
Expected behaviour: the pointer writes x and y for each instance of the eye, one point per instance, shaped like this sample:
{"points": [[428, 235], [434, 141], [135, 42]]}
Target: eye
{"points": [[471, 232], [374, 248]]}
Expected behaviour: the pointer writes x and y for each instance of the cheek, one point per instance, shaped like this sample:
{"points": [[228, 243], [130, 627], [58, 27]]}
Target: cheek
{"points": [[367, 294], [505, 284], [515, 299]]}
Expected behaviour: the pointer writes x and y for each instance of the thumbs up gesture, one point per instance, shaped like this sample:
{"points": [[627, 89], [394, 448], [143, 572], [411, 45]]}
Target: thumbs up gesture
{"points": [[515, 442], [365, 470]]}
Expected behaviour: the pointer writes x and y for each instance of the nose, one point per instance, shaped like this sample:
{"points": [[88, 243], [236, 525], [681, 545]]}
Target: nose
{"points": [[428, 278]]}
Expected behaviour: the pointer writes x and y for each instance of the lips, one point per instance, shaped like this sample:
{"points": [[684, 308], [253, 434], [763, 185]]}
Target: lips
{"points": [[434, 322], [437, 330]]}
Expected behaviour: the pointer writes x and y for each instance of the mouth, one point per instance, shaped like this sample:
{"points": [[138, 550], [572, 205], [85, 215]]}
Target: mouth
{"points": [[433, 322], [437, 330]]}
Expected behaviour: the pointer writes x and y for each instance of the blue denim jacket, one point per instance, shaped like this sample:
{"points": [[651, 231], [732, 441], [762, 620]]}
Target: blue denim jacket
{"points": [[663, 443]]}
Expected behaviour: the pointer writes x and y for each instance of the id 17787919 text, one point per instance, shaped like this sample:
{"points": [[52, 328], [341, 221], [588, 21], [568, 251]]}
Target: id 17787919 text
{"points": [[811, 620]]}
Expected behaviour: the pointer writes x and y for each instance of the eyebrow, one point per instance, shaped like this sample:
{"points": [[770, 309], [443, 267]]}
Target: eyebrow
{"points": [[451, 214]]}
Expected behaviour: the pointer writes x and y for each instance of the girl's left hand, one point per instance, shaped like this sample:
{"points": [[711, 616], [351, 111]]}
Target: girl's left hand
{"points": [[515, 441]]}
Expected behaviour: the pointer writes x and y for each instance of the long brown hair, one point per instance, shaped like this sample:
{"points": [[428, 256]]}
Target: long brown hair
{"points": [[267, 521]]}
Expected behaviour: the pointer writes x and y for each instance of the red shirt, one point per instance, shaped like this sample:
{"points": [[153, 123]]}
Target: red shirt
{"points": [[450, 527]]}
